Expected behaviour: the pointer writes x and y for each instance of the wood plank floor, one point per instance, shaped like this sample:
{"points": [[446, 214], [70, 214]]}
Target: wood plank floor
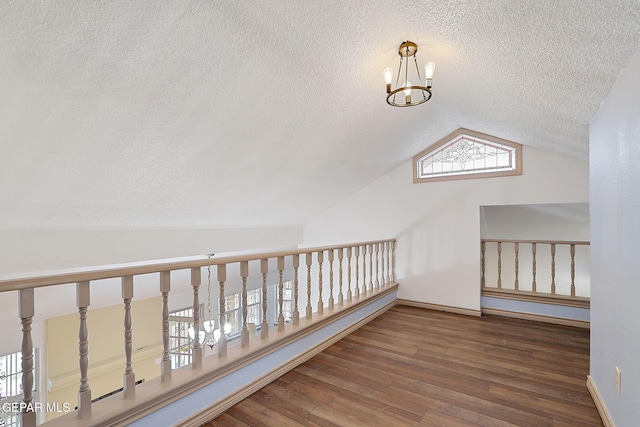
{"points": [[413, 366]]}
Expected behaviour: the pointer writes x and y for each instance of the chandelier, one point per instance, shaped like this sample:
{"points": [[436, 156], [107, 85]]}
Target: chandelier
{"points": [[210, 336], [412, 94]]}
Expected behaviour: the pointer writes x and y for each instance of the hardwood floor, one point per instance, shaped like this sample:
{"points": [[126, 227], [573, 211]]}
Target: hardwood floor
{"points": [[413, 366]]}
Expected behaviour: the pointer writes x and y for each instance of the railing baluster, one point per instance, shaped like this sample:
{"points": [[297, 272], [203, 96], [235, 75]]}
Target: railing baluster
{"points": [[309, 262], [388, 247], [244, 273], [385, 261], [357, 256], [482, 250], [222, 342], [165, 365], [364, 269], [370, 268], [553, 269], [331, 302], [264, 269], [349, 295], [516, 285], [382, 257], [26, 304], [499, 265], [573, 270], [533, 252], [198, 351], [280, 294], [377, 246], [320, 302], [84, 393], [393, 260], [340, 296], [296, 265], [129, 378]]}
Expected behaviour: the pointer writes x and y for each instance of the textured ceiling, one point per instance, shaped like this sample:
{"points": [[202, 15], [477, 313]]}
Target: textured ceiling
{"points": [[226, 113]]}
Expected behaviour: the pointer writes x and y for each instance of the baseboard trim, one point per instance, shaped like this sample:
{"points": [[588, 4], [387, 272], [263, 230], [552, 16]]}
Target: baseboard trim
{"points": [[220, 406], [538, 318], [597, 399], [563, 300], [438, 307]]}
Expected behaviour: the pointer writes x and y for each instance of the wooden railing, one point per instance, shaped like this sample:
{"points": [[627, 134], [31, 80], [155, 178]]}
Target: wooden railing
{"points": [[536, 268], [370, 266]]}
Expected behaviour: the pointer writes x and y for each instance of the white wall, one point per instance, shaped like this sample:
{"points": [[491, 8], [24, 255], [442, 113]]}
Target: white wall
{"points": [[557, 221], [438, 224], [615, 245], [28, 251]]}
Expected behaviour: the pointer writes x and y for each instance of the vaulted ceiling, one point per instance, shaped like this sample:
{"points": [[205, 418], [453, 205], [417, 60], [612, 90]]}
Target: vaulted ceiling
{"points": [[225, 113]]}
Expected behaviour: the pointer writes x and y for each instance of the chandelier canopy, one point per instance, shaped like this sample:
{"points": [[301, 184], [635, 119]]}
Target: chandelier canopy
{"points": [[412, 94]]}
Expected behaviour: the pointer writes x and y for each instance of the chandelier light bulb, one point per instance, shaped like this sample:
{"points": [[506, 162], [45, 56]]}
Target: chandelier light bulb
{"points": [[429, 69], [407, 88], [388, 77], [407, 92]]}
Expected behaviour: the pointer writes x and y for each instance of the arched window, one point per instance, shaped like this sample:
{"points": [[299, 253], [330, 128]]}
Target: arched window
{"points": [[467, 154]]}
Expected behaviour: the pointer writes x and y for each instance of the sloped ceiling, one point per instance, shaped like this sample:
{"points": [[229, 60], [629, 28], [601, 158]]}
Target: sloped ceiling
{"points": [[226, 113]]}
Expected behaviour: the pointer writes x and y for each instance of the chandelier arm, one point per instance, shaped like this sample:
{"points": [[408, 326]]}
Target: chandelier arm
{"points": [[399, 69], [397, 80], [415, 60], [406, 69]]}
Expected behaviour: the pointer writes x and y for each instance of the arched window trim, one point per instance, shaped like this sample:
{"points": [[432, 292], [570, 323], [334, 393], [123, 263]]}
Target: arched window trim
{"points": [[480, 139]]}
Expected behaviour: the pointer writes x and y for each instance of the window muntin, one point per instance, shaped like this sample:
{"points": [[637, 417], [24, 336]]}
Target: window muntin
{"points": [[467, 154], [233, 310]]}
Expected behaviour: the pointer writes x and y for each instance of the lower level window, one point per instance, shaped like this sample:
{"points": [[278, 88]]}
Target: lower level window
{"points": [[233, 310], [11, 386], [287, 302], [180, 343]]}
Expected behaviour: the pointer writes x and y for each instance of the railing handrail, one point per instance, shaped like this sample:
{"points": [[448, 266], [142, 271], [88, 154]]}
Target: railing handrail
{"points": [[548, 242], [154, 266]]}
